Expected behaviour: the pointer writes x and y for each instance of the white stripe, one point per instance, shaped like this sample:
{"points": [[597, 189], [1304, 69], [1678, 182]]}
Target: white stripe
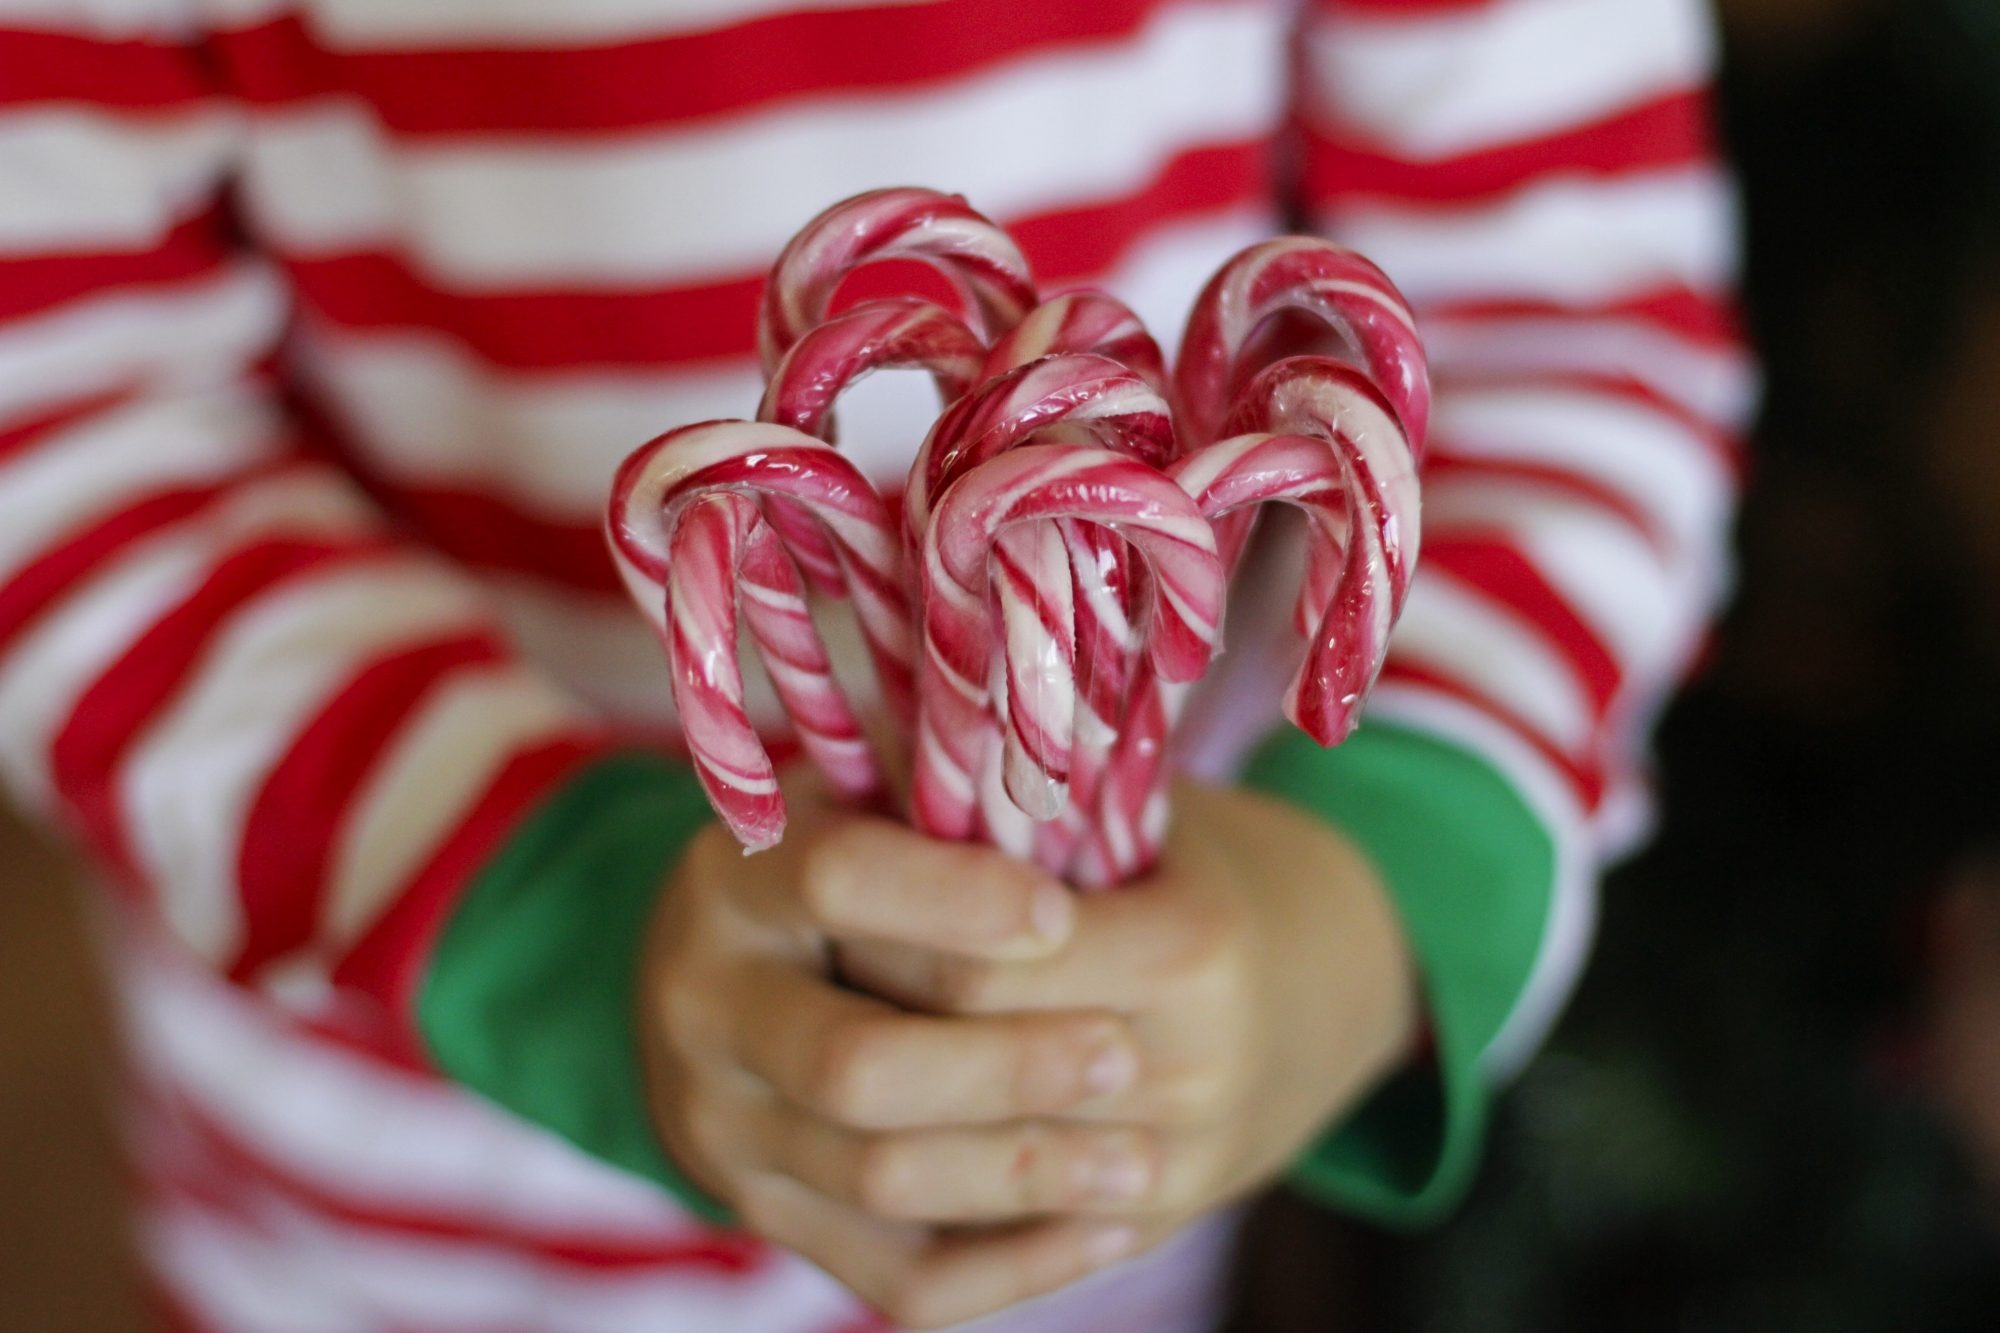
{"points": [[601, 648], [1572, 913], [104, 464], [427, 782], [1720, 385], [399, 24], [686, 203], [427, 413], [604, 651], [359, 1128], [1463, 635], [79, 180], [1167, 269], [100, 18], [1624, 446], [49, 667], [234, 1276], [1520, 69], [187, 787], [195, 336], [444, 1286], [1580, 240], [1605, 570]]}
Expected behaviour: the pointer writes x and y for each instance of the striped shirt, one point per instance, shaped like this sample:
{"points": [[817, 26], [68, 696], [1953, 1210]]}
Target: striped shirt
{"points": [[323, 324]]}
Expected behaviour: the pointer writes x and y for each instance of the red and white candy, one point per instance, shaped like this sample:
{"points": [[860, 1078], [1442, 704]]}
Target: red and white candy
{"points": [[1086, 321], [805, 386], [979, 260], [1066, 535], [1325, 442], [1036, 484], [1229, 332], [687, 580], [1066, 398]]}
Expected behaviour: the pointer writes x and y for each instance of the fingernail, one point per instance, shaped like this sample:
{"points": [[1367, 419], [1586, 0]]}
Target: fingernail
{"points": [[1050, 912], [1110, 1244], [1111, 1069]]}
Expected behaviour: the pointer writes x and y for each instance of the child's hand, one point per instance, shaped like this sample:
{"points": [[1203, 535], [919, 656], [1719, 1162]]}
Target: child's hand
{"points": [[1262, 970], [839, 1125], [1089, 1074]]}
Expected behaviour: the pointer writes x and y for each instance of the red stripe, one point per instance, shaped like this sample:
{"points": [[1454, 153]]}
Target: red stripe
{"points": [[1503, 574], [1586, 779], [27, 435], [561, 329], [674, 79], [1725, 448], [1709, 318], [1673, 131], [489, 533], [1443, 468], [192, 249], [299, 813], [228, 1166], [113, 712], [389, 962], [135, 75], [40, 584]]}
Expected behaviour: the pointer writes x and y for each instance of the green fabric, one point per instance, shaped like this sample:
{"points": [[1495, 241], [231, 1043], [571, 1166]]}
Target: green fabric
{"points": [[530, 995], [1472, 873]]}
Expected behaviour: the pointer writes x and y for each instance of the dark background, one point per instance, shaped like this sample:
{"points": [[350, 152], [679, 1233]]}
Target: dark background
{"points": [[1775, 1103]]}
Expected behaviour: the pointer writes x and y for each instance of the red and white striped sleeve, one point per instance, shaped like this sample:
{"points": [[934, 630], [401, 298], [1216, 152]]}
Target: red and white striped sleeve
{"points": [[291, 735], [1539, 177]]}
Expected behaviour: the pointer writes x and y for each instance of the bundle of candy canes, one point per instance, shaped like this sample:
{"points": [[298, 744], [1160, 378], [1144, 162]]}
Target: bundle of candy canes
{"points": [[1054, 585]]}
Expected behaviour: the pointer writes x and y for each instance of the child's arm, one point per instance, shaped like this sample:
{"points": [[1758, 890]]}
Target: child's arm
{"points": [[300, 743], [1539, 177]]}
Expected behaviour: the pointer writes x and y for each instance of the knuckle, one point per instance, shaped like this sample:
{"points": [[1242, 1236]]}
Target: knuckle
{"points": [[884, 1183], [823, 875], [838, 1082], [962, 985]]}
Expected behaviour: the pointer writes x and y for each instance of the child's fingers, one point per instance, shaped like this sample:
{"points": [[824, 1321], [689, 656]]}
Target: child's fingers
{"points": [[988, 1174], [921, 1280], [864, 1064], [868, 879], [1126, 952]]}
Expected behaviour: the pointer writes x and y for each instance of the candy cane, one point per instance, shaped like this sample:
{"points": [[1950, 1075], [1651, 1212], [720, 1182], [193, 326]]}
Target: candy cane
{"points": [[1029, 485], [654, 499], [1221, 348], [720, 545], [1312, 396], [1325, 441], [1074, 397], [1086, 321], [1105, 589], [980, 261], [895, 332]]}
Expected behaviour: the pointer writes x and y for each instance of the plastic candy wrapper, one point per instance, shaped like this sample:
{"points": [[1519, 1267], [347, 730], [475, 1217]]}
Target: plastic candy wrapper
{"points": [[1056, 582]]}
